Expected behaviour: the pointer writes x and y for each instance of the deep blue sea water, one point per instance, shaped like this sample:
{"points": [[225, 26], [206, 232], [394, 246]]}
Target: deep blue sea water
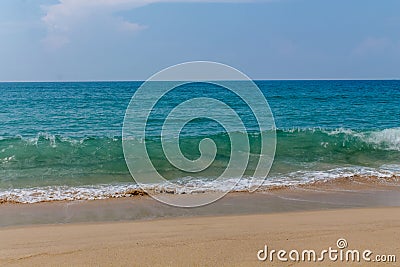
{"points": [[63, 140]]}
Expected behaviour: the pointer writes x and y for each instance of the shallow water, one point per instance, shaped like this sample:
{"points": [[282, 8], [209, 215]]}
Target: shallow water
{"points": [[62, 141]]}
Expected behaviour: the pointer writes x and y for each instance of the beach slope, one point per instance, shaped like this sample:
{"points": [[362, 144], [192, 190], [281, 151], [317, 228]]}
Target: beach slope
{"points": [[232, 240]]}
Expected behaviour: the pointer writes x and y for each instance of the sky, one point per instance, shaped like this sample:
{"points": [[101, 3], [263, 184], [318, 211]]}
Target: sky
{"points": [[80, 40]]}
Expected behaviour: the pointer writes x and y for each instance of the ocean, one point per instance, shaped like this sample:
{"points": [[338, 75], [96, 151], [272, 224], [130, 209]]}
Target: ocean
{"points": [[63, 140]]}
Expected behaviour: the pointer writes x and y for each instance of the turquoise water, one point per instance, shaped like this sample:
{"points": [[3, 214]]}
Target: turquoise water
{"points": [[63, 140]]}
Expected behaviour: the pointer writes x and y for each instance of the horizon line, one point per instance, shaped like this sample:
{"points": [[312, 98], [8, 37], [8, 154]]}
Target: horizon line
{"points": [[283, 79]]}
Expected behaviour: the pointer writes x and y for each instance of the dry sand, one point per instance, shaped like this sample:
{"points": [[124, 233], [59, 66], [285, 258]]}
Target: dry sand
{"points": [[139, 231], [231, 240]]}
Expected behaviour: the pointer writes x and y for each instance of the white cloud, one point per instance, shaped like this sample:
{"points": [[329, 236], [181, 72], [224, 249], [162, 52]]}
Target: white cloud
{"points": [[69, 15], [127, 26]]}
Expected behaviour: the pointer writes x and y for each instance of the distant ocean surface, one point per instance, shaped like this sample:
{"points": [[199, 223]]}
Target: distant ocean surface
{"points": [[62, 141]]}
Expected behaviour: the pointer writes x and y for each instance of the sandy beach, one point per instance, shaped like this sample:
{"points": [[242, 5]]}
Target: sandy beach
{"points": [[202, 241], [140, 231]]}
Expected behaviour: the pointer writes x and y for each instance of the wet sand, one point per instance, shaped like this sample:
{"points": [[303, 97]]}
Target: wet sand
{"points": [[139, 231], [337, 194]]}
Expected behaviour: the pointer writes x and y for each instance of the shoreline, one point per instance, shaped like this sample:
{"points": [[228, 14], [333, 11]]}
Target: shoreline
{"points": [[340, 193], [139, 231]]}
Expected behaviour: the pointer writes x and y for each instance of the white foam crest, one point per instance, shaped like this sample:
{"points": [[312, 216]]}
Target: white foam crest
{"points": [[187, 185], [387, 138], [300, 129], [341, 131], [34, 140], [66, 193], [7, 159], [392, 168]]}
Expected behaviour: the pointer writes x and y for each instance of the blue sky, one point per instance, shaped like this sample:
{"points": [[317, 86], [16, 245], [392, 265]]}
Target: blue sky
{"points": [[132, 39]]}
